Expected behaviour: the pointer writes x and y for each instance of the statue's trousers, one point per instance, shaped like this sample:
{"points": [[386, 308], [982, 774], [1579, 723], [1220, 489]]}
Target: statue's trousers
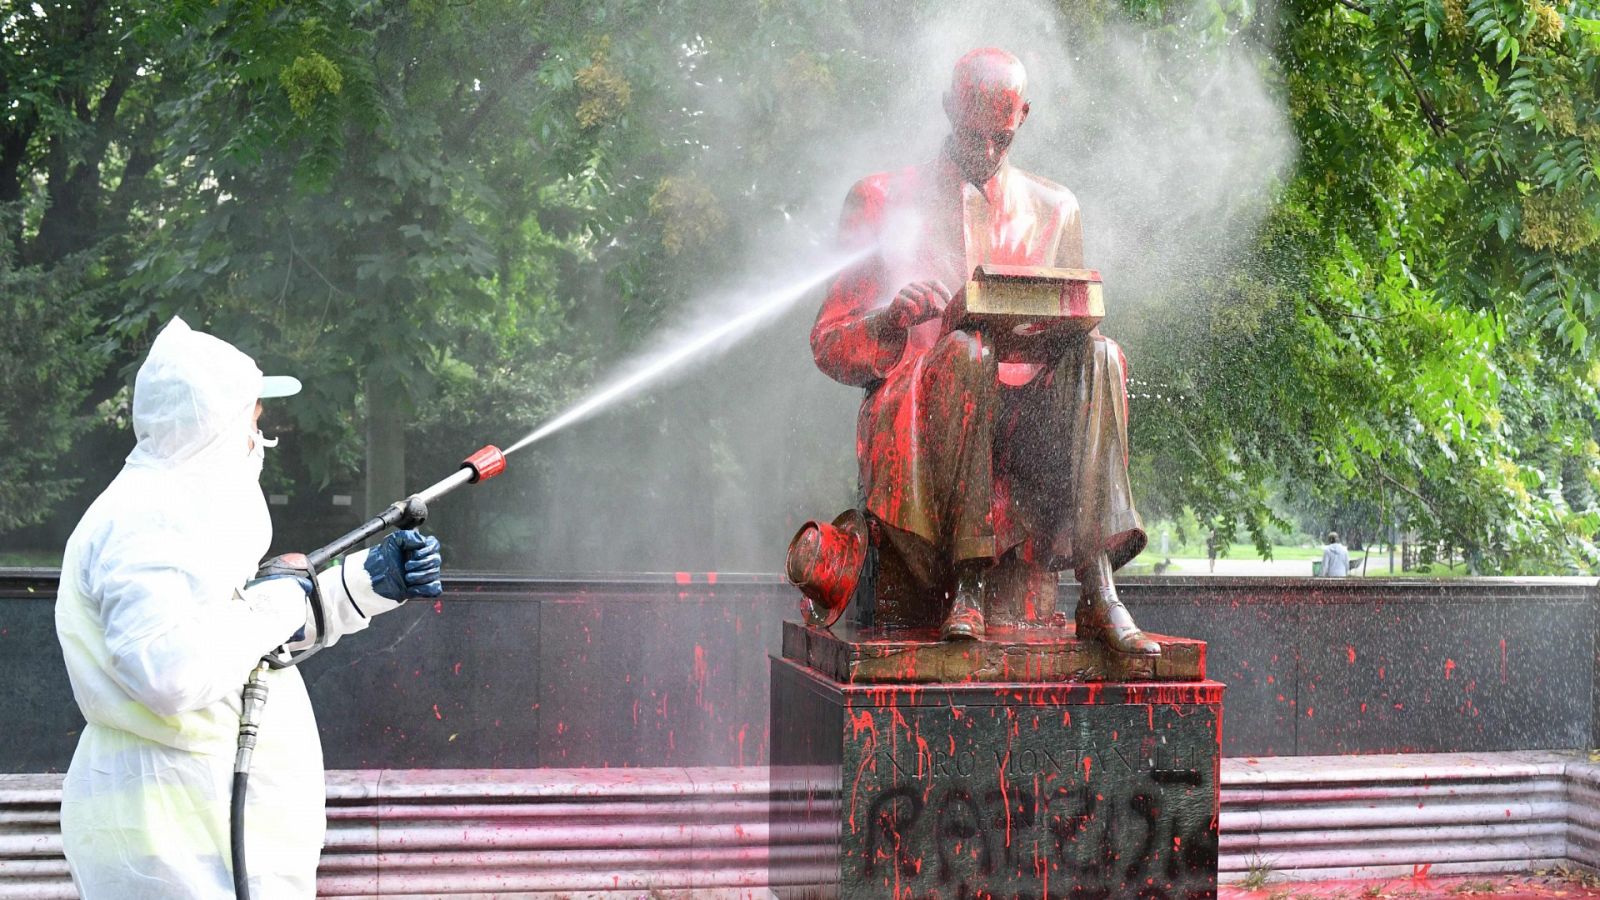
{"points": [[976, 467]]}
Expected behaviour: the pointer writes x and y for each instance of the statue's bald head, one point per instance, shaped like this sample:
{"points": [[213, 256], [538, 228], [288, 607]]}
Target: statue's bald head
{"points": [[986, 105]]}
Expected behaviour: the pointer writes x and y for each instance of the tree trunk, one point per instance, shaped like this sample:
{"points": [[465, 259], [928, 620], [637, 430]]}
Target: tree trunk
{"points": [[386, 443]]}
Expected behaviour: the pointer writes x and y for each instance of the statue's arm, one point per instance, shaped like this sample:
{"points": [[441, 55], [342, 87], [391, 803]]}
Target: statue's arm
{"points": [[1069, 246], [853, 340]]}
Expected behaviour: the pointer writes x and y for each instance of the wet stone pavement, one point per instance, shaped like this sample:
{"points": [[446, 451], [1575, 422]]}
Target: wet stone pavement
{"points": [[1572, 884]]}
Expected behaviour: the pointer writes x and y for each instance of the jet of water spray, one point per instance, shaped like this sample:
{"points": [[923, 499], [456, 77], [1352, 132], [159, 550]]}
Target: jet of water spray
{"points": [[672, 358]]}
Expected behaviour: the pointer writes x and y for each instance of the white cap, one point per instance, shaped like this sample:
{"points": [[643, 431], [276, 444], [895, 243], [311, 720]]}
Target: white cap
{"points": [[279, 386]]}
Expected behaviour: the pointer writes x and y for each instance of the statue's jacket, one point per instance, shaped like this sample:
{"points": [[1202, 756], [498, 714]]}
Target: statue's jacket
{"points": [[974, 456]]}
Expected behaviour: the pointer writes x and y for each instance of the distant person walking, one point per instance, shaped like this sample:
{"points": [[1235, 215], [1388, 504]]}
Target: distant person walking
{"points": [[1335, 558]]}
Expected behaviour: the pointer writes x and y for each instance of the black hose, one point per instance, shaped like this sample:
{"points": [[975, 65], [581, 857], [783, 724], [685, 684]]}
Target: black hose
{"points": [[253, 699], [241, 877]]}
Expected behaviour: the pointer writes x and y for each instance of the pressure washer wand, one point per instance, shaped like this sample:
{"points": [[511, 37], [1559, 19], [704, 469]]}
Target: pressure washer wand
{"points": [[408, 513], [413, 510]]}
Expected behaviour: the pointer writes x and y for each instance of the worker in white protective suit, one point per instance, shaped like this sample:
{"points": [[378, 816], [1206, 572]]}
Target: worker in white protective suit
{"points": [[160, 632]]}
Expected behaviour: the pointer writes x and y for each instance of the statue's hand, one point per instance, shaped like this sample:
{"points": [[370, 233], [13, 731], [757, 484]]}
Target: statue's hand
{"points": [[955, 311], [916, 303]]}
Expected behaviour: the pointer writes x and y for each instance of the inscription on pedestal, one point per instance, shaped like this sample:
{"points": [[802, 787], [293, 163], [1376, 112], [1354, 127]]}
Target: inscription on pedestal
{"points": [[997, 801], [1006, 790]]}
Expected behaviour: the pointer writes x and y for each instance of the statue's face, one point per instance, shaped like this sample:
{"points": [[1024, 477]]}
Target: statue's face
{"points": [[984, 118]]}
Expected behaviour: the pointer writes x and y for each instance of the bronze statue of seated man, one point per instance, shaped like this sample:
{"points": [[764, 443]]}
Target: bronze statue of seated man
{"points": [[977, 466]]}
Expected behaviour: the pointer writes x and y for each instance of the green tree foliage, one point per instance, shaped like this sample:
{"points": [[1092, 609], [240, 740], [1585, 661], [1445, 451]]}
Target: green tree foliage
{"points": [[1421, 303], [75, 132], [49, 356]]}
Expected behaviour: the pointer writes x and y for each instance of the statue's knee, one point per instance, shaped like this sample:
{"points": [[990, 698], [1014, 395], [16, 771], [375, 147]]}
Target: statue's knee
{"points": [[967, 347], [1109, 353]]}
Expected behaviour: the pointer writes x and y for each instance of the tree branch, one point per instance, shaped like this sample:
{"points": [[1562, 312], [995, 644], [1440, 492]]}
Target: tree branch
{"points": [[1410, 490], [294, 251], [1339, 312], [14, 143], [527, 64], [1430, 111]]}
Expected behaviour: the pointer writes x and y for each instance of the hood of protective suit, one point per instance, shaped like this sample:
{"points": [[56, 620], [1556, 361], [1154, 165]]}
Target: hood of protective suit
{"points": [[192, 401]]}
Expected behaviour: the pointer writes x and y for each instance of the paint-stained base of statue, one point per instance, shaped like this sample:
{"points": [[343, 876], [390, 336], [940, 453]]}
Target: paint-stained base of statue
{"points": [[850, 654], [993, 789]]}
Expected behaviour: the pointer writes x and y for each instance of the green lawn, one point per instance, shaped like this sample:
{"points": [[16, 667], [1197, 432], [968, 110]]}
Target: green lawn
{"points": [[1235, 551]]}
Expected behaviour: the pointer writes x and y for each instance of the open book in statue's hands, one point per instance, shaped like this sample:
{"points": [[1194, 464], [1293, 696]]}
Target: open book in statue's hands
{"points": [[1030, 313]]}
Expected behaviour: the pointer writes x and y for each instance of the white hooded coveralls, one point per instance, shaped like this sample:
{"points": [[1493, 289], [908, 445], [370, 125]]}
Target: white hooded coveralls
{"points": [[159, 635]]}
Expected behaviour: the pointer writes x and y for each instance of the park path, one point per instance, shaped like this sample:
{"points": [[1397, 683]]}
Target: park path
{"points": [[1242, 566]]}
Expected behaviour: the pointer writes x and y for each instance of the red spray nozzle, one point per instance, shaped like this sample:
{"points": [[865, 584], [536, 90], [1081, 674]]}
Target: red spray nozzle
{"points": [[485, 464]]}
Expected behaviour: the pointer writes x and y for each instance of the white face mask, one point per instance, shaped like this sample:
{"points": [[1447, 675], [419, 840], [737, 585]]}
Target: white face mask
{"points": [[258, 451]]}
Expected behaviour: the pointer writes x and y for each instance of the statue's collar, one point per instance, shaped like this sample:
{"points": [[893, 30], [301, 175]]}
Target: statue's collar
{"points": [[993, 190]]}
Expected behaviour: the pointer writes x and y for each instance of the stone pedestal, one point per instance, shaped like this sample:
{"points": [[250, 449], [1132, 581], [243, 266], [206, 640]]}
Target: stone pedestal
{"points": [[906, 767]]}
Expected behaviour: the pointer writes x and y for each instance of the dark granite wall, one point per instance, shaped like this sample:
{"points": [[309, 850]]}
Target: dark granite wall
{"points": [[1325, 666], [648, 671]]}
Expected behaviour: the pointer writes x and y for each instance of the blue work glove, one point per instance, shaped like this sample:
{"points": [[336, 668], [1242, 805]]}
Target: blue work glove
{"points": [[371, 582], [405, 566]]}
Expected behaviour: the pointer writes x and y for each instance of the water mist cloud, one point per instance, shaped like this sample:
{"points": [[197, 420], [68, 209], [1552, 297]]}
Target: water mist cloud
{"points": [[699, 342], [1173, 150]]}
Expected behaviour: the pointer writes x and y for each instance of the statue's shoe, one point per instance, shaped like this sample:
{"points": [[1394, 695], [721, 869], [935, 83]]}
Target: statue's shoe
{"points": [[965, 621], [1101, 616], [963, 624]]}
